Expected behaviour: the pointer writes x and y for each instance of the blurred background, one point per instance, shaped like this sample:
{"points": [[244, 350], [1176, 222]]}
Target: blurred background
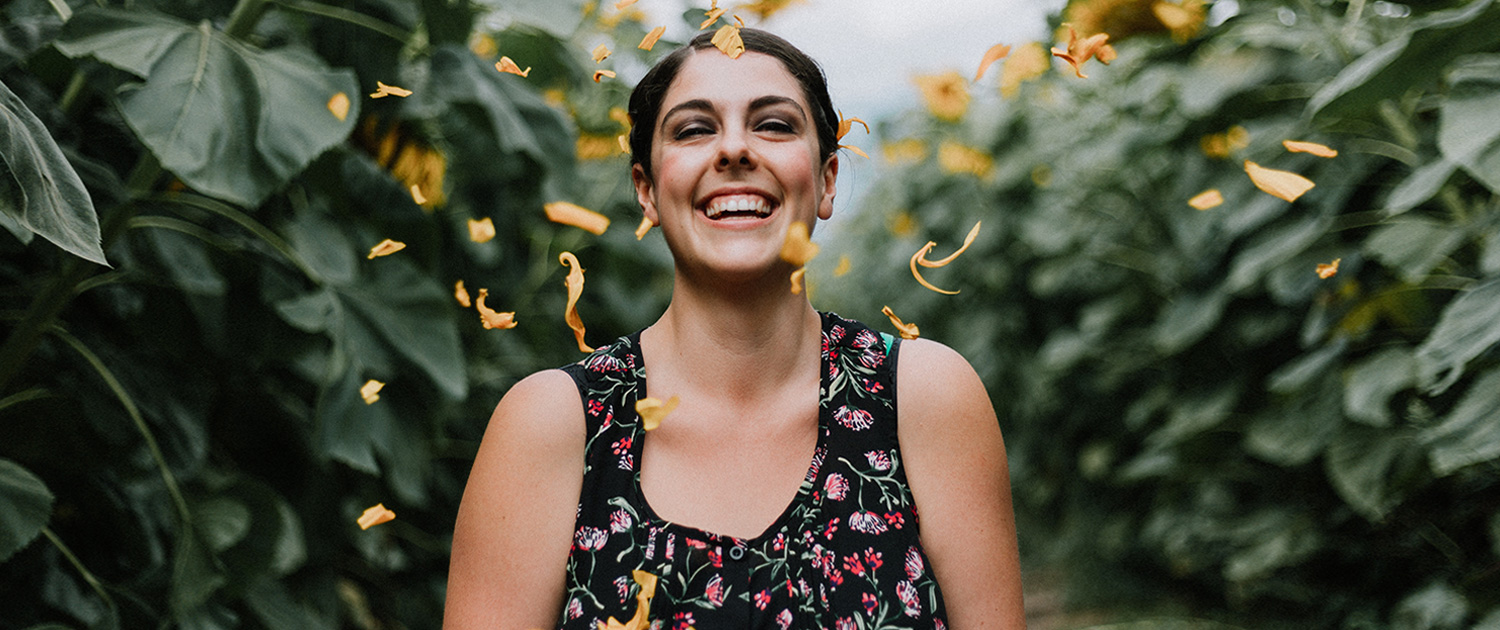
{"points": [[1281, 410]]}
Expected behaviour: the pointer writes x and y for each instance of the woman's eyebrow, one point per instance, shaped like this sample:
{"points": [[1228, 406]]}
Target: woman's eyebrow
{"points": [[704, 105], [770, 100], [696, 104]]}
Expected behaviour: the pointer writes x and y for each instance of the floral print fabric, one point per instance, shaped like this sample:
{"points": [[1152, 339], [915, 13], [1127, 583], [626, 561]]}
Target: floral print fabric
{"points": [[844, 554]]}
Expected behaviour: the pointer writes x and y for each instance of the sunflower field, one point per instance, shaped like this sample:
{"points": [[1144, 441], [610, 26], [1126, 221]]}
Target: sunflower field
{"points": [[267, 265]]}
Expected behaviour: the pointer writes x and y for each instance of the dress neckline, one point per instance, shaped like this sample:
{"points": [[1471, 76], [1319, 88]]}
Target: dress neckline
{"points": [[804, 491]]}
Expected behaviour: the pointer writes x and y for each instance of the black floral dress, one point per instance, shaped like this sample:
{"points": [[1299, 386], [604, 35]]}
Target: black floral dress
{"points": [[845, 554]]}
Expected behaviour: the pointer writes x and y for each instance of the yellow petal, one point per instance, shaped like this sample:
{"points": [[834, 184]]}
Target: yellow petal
{"points": [[1079, 51], [375, 515], [908, 331], [646, 580], [1326, 270], [601, 52], [382, 90], [576, 216], [624, 143], [650, 39], [506, 65], [798, 247], [491, 319], [481, 231], [843, 267], [1283, 184], [727, 39], [643, 228], [1207, 199], [797, 280], [620, 6], [856, 150], [339, 105], [575, 289], [1029, 62], [1297, 146], [619, 115], [461, 294], [652, 410], [918, 275], [713, 15], [968, 240], [995, 53], [847, 124], [371, 391], [603, 74], [417, 196], [1184, 20], [385, 248]]}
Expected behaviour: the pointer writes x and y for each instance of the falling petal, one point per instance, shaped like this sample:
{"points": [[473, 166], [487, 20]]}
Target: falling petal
{"points": [[1207, 199], [601, 52], [995, 53], [385, 248], [482, 230], [1079, 51], [339, 105], [1283, 184], [643, 228], [843, 267], [375, 516], [382, 90], [620, 6], [576, 216], [727, 39], [1297, 146], [1028, 62], [491, 319], [847, 124], [766, 8], [652, 410], [933, 264], [624, 143], [461, 294], [371, 391], [797, 280], [908, 331], [647, 583], [798, 247], [602, 74], [1326, 270], [575, 289], [650, 39], [857, 151], [506, 65], [712, 15], [918, 275]]}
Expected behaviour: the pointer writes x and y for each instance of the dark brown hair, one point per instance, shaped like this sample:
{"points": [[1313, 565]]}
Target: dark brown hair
{"points": [[645, 99]]}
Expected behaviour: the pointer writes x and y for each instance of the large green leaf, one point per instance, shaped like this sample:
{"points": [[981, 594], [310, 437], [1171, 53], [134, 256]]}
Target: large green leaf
{"points": [[1412, 248], [27, 505], [39, 190], [1359, 463], [1416, 57], [1470, 433], [1469, 327], [1469, 133], [1369, 385], [230, 120], [413, 315]]}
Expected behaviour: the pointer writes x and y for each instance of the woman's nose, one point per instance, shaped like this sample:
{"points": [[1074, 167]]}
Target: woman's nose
{"points": [[734, 152]]}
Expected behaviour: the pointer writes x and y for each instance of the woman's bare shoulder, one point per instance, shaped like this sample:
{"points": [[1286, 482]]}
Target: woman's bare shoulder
{"points": [[543, 409], [934, 381]]}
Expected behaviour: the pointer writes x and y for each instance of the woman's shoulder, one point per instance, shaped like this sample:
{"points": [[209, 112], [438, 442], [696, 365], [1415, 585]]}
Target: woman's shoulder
{"points": [[544, 408], [937, 384]]}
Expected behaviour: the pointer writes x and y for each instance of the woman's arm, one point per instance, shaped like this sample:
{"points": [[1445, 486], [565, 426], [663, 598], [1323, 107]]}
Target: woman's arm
{"points": [[515, 524], [955, 463]]}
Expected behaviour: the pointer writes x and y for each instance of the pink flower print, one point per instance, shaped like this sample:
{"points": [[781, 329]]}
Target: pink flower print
{"points": [[595, 407], [671, 545], [836, 578], [837, 332], [650, 542], [870, 602], [856, 419], [575, 608], [908, 596], [604, 363], [762, 599], [622, 584], [682, 621], [865, 339], [779, 542], [609, 418], [817, 463], [853, 565], [803, 587], [845, 623], [620, 521], [867, 522], [784, 620], [696, 544], [833, 371], [716, 557], [914, 563], [791, 591], [937, 624], [872, 358], [622, 445], [879, 460], [836, 486], [874, 558], [715, 591], [896, 519], [817, 556], [832, 527], [590, 538], [627, 462], [873, 387]]}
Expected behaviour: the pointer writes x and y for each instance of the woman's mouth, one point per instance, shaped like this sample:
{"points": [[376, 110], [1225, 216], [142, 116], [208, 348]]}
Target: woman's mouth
{"points": [[729, 207]]}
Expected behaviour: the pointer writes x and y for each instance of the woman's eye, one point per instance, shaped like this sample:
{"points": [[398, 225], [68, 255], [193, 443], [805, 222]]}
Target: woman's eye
{"points": [[776, 126], [688, 132]]}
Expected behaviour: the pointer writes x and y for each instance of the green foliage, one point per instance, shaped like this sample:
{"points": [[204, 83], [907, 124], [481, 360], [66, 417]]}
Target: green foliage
{"points": [[42, 193]]}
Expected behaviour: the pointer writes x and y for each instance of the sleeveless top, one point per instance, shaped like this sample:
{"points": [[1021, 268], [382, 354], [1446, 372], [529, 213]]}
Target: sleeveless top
{"points": [[844, 554]]}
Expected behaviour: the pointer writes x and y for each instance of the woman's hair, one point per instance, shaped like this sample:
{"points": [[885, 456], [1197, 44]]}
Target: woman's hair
{"points": [[645, 99]]}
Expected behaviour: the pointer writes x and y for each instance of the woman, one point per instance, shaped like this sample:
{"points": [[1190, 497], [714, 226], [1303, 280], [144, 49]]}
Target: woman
{"points": [[782, 492]]}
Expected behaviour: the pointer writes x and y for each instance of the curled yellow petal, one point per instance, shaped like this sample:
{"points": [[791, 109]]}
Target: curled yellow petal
{"points": [[847, 124], [798, 247], [647, 582], [461, 294], [417, 196], [652, 410], [339, 105], [727, 39], [918, 275], [1283, 184], [603, 74], [385, 248], [1326, 270], [482, 230], [489, 317], [643, 228], [995, 53], [382, 90], [506, 65], [575, 289], [576, 216], [370, 391], [375, 515], [1079, 51], [856, 150], [712, 16], [1210, 198], [907, 331], [797, 280], [1298, 146], [650, 39], [600, 53], [843, 267], [968, 240], [624, 143]]}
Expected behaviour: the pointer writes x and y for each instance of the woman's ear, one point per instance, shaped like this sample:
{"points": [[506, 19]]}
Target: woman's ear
{"points": [[830, 178], [643, 193]]}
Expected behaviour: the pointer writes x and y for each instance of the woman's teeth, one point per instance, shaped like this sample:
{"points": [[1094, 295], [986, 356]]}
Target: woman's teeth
{"points": [[738, 205]]}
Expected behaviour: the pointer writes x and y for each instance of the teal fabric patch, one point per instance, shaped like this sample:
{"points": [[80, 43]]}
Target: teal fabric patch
{"points": [[889, 341]]}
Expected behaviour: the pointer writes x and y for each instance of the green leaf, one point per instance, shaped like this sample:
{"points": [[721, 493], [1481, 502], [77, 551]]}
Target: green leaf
{"points": [[1468, 327], [196, 574], [1419, 56], [1469, 130], [27, 505], [39, 190], [413, 314], [222, 520], [350, 430], [1299, 373], [1293, 434], [1271, 248], [1359, 463], [1187, 319], [1436, 607], [1414, 247], [1469, 434], [557, 17], [187, 263], [230, 120], [1421, 185], [1369, 385]]}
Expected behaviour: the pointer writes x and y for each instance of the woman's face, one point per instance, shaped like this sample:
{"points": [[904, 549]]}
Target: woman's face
{"points": [[735, 152]]}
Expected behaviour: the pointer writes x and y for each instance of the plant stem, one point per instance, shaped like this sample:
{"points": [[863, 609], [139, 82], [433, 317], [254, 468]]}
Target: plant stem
{"points": [[246, 15], [83, 571], [352, 17]]}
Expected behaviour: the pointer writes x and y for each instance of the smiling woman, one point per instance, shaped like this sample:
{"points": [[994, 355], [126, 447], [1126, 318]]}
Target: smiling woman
{"points": [[783, 491]]}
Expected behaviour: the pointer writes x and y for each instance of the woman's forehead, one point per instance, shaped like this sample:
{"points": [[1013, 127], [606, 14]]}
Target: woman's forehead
{"points": [[713, 76]]}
